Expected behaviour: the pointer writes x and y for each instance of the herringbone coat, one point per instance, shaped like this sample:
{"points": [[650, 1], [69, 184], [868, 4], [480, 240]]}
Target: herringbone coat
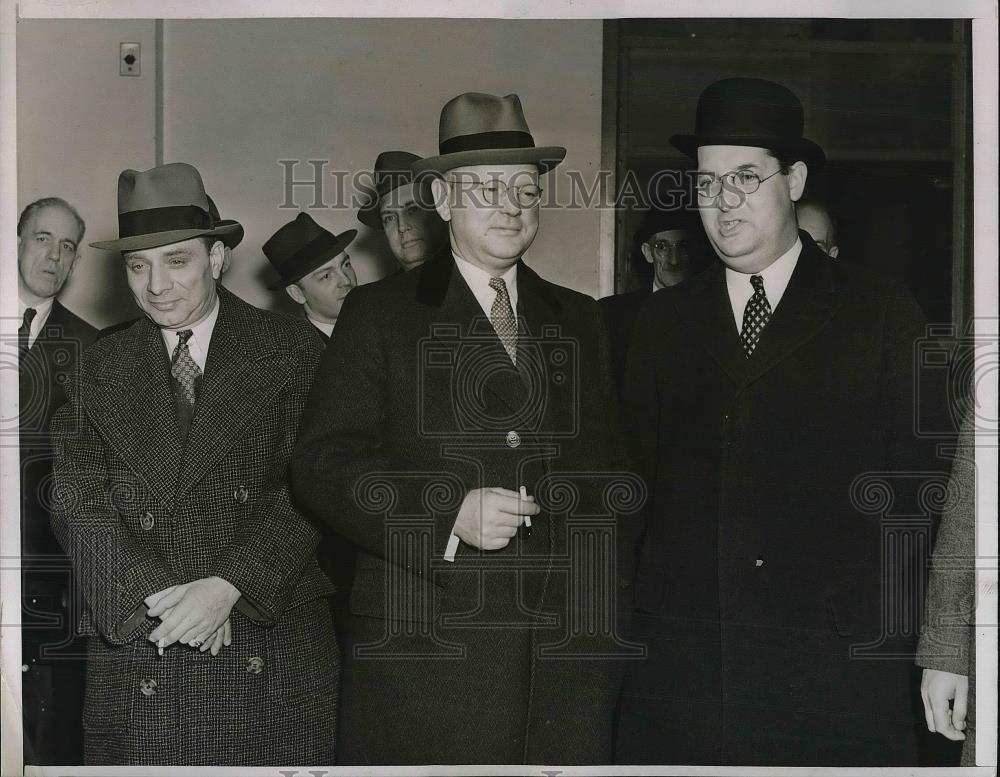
{"points": [[137, 511], [416, 402]]}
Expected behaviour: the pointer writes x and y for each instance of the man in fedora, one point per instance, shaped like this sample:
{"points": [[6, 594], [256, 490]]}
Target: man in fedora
{"points": [[759, 395], [50, 340], [313, 268], [482, 401], [672, 243], [403, 210], [211, 640]]}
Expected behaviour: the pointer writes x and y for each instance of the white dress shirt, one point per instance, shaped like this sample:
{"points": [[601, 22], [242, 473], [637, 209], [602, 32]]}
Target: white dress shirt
{"points": [[479, 281], [776, 276], [201, 336], [42, 310], [322, 326]]}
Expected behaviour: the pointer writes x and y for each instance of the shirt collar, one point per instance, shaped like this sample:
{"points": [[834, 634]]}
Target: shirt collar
{"points": [[201, 337], [322, 326], [776, 276], [479, 282]]}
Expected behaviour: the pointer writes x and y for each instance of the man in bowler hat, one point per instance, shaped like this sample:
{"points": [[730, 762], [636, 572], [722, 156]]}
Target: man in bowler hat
{"points": [[403, 210], [759, 395], [314, 269], [211, 643], [482, 395]]}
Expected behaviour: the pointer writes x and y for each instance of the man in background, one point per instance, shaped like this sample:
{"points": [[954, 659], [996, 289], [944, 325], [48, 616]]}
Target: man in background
{"points": [[50, 341], [314, 269], [814, 217], [403, 210]]}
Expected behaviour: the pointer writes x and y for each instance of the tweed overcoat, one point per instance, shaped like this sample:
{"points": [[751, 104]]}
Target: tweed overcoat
{"points": [[948, 642], [787, 518], [138, 511], [492, 658]]}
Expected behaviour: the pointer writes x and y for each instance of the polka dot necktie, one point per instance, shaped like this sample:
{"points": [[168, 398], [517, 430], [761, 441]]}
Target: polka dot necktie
{"points": [[184, 368], [502, 316], [755, 316]]}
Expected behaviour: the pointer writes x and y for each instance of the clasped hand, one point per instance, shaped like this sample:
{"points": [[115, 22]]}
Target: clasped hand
{"points": [[195, 614]]}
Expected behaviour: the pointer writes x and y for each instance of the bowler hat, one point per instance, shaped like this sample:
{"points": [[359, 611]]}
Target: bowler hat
{"points": [[750, 112], [231, 240], [163, 205], [392, 170], [480, 129], [301, 246]]}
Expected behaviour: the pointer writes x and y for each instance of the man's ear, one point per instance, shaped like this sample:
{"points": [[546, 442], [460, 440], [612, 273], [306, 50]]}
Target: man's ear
{"points": [[296, 293], [441, 191], [647, 252], [216, 257], [797, 174]]}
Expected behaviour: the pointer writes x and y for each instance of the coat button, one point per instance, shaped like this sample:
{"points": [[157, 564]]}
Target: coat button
{"points": [[147, 686], [759, 562], [240, 495], [255, 665], [513, 439], [146, 521]]}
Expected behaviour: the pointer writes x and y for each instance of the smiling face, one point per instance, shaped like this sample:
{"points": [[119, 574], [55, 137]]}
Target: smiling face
{"points": [[322, 291], [488, 227], [175, 284], [46, 252], [750, 231], [414, 233]]}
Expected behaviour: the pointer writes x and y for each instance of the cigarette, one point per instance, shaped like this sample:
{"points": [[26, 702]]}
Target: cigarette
{"points": [[159, 646], [527, 518]]}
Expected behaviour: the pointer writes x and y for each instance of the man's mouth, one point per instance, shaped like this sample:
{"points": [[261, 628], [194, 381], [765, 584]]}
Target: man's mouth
{"points": [[729, 227]]}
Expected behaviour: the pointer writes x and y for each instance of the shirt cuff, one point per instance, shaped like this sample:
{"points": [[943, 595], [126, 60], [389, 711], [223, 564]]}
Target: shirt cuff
{"points": [[452, 549]]}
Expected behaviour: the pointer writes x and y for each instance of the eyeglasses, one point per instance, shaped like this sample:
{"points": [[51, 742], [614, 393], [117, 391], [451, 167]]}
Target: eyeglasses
{"points": [[663, 246], [710, 186], [524, 195]]}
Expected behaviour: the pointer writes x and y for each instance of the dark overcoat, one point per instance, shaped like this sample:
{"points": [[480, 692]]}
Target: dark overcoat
{"points": [[52, 685], [620, 313], [138, 511], [778, 577], [511, 656]]}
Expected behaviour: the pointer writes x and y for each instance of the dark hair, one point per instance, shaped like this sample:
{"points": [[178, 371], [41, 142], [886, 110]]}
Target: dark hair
{"points": [[45, 202]]}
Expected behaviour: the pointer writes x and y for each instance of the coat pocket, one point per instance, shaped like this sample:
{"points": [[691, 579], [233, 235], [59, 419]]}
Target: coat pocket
{"points": [[303, 659]]}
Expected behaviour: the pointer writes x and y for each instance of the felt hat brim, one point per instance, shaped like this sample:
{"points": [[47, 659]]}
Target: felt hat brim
{"points": [[545, 157], [302, 270], [158, 239]]}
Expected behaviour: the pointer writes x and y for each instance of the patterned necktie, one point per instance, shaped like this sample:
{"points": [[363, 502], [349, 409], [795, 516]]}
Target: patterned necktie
{"points": [[24, 332], [755, 316], [502, 316], [183, 367]]}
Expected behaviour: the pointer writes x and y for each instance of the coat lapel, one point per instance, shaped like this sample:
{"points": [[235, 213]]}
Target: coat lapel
{"points": [[707, 309], [245, 372], [131, 402]]}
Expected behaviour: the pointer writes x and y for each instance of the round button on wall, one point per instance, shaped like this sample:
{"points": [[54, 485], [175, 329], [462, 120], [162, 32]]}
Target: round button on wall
{"points": [[513, 439]]}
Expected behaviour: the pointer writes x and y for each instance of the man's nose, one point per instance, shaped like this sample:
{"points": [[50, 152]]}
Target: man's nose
{"points": [[159, 281], [509, 203]]}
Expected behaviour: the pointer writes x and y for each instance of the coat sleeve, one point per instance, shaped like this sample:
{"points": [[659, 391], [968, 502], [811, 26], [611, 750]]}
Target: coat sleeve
{"points": [[115, 572], [345, 473], [272, 548], [947, 640]]}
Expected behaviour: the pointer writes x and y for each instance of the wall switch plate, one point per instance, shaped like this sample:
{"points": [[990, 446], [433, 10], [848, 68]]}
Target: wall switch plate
{"points": [[128, 59]]}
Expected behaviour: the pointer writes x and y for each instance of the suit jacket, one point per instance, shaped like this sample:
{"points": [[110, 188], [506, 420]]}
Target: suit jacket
{"points": [[620, 313], [948, 642], [786, 505], [45, 370], [415, 404], [138, 511]]}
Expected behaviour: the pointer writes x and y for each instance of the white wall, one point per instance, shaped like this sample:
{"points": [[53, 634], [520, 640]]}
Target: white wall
{"points": [[79, 124], [239, 95]]}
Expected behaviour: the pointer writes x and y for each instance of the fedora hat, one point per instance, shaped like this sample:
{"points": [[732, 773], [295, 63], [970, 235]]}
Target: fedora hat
{"points": [[750, 112], [232, 239], [392, 170], [301, 246], [659, 220], [478, 129], [163, 205]]}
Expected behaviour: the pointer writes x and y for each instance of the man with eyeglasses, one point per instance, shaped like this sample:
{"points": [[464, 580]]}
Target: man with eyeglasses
{"points": [[403, 210], [762, 396], [672, 242], [480, 426]]}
